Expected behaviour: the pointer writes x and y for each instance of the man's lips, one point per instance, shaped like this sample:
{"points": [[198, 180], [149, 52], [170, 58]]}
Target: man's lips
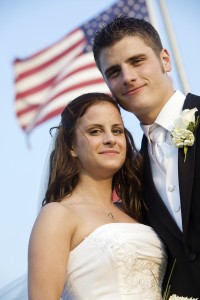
{"points": [[133, 90]]}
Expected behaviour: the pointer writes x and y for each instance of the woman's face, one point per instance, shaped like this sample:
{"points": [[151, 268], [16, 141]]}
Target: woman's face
{"points": [[100, 143]]}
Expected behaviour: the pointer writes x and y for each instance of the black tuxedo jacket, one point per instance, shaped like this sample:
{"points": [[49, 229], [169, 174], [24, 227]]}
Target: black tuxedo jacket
{"points": [[184, 246]]}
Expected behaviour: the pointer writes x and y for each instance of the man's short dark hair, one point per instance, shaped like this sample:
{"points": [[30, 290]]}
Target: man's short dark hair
{"points": [[121, 27]]}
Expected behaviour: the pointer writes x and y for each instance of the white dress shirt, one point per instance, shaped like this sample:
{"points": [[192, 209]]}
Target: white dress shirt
{"points": [[166, 179]]}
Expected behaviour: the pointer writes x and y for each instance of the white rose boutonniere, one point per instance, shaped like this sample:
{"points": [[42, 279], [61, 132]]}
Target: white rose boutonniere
{"points": [[183, 133]]}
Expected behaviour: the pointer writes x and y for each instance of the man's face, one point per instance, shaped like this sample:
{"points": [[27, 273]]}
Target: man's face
{"points": [[136, 77]]}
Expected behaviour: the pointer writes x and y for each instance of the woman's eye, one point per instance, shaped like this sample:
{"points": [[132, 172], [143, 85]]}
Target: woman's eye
{"points": [[94, 131], [117, 131]]}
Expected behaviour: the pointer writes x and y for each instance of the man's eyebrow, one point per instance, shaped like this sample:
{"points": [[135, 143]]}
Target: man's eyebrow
{"points": [[138, 55], [117, 66]]}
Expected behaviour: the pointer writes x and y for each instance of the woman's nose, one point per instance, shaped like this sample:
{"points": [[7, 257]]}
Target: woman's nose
{"points": [[109, 138]]}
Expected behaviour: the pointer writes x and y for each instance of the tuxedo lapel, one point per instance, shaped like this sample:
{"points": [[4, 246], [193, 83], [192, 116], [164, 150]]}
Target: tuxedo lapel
{"points": [[186, 170], [159, 215], [186, 174]]}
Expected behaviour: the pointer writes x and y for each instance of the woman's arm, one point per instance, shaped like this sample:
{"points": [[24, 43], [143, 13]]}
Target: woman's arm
{"points": [[48, 252]]}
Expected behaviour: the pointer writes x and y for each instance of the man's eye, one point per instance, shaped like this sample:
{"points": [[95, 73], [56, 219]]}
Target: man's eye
{"points": [[137, 61], [112, 74]]}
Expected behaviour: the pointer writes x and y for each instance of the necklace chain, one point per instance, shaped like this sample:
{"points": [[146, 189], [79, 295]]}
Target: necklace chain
{"points": [[108, 213]]}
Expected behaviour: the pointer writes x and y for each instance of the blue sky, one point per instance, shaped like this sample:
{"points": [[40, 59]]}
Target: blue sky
{"points": [[29, 26]]}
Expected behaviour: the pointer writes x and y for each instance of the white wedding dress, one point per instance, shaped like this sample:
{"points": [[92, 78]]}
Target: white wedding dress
{"points": [[117, 261]]}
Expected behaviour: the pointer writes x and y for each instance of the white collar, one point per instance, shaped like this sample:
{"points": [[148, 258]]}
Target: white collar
{"points": [[170, 111]]}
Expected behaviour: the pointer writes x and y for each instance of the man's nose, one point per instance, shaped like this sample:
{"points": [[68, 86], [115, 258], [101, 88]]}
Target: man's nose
{"points": [[129, 74]]}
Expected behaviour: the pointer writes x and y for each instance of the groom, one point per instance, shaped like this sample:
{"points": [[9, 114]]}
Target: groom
{"points": [[135, 66]]}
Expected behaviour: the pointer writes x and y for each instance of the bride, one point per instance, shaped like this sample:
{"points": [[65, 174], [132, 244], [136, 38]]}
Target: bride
{"points": [[83, 246]]}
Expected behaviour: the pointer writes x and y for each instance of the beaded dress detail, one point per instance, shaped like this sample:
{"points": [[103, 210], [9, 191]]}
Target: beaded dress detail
{"points": [[117, 261]]}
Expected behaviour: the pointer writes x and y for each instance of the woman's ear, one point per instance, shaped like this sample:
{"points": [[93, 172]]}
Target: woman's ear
{"points": [[73, 152]]}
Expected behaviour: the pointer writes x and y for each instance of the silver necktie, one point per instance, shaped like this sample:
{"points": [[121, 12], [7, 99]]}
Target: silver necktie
{"points": [[157, 136]]}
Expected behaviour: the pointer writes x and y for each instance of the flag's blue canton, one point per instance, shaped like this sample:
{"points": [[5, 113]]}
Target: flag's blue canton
{"points": [[131, 8]]}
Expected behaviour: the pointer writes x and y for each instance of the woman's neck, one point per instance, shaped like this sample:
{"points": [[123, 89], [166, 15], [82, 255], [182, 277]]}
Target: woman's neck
{"points": [[99, 191]]}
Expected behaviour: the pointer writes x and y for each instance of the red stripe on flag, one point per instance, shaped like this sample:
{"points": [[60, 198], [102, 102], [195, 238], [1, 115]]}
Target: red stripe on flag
{"points": [[50, 115], [65, 91], [41, 52], [49, 62], [35, 89], [52, 82], [77, 87]]}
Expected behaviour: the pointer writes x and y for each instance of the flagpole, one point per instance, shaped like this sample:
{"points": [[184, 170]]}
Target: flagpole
{"points": [[174, 46], [151, 12]]}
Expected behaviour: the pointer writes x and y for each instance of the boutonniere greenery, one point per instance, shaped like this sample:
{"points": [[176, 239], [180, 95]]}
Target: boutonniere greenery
{"points": [[182, 134], [166, 295]]}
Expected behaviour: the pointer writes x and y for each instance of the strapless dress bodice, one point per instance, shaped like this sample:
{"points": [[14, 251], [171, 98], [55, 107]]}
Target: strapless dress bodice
{"points": [[117, 261]]}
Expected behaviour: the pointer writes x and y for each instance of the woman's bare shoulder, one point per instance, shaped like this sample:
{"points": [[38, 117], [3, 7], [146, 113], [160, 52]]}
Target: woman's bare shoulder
{"points": [[55, 208], [55, 217]]}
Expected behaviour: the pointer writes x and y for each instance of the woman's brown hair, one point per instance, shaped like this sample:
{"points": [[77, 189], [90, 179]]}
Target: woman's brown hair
{"points": [[64, 168]]}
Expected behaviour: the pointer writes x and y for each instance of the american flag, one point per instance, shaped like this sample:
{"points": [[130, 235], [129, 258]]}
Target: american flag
{"points": [[47, 80]]}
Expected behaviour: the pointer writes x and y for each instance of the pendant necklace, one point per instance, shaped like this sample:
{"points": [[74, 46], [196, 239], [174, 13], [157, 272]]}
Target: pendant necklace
{"points": [[108, 213]]}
